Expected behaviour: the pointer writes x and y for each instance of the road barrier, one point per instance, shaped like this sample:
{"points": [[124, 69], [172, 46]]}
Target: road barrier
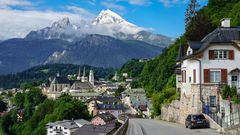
{"points": [[123, 128]]}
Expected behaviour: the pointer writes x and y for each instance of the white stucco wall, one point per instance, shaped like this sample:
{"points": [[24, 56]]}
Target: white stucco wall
{"points": [[188, 65], [224, 64]]}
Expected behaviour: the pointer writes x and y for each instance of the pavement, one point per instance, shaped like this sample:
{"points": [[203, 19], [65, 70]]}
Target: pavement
{"points": [[157, 127]]}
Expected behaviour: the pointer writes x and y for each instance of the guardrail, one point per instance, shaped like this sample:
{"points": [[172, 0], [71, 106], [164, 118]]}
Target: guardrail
{"points": [[226, 121], [232, 119], [123, 128]]}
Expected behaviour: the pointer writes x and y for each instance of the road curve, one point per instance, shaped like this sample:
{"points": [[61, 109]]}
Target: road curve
{"points": [[154, 127]]}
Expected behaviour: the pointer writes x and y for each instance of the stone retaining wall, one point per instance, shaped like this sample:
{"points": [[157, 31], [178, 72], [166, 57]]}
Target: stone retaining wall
{"points": [[234, 130], [171, 112]]}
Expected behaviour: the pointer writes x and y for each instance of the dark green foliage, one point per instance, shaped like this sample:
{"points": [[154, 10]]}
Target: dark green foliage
{"points": [[156, 72], [229, 91], [132, 67], [38, 111], [219, 9], [3, 106], [5, 123], [19, 100], [40, 74], [135, 84], [119, 91], [199, 27]]}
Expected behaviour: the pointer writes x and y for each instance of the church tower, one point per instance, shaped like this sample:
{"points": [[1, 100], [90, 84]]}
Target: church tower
{"points": [[79, 74], [91, 77], [84, 78]]}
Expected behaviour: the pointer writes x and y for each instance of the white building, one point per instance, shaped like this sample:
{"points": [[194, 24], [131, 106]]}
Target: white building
{"points": [[65, 127], [205, 66]]}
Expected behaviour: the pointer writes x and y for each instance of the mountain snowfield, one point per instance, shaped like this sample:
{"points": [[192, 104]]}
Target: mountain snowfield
{"points": [[106, 23]]}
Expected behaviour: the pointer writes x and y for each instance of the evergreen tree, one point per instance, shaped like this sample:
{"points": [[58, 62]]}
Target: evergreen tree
{"points": [[191, 11]]}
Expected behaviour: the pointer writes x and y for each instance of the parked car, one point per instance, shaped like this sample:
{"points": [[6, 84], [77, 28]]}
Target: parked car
{"points": [[196, 120]]}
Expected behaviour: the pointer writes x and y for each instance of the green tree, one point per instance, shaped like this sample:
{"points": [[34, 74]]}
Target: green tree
{"points": [[119, 91], [199, 27], [191, 11], [3, 106], [19, 100]]}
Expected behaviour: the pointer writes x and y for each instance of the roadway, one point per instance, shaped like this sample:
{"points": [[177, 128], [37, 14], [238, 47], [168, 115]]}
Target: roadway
{"points": [[157, 127]]}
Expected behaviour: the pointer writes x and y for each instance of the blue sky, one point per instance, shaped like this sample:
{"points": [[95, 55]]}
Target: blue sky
{"points": [[161, 16]]}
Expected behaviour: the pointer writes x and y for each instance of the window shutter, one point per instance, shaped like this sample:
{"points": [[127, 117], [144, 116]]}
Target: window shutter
{"points": [[185, 76], [224, 75], [182, 77], [206, 76], [211, 54], [194, 75], [231, 55]]}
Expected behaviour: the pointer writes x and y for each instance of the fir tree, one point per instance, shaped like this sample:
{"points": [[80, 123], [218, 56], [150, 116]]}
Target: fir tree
{"points": [[191, 11]]}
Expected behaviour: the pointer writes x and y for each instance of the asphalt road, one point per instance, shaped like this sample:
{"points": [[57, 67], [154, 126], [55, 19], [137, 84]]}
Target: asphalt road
{"points": [[155, 127]]}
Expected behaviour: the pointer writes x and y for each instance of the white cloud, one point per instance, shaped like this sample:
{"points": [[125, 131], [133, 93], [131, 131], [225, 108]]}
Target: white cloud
{"points": [[7, 3], [17, 23], [92, 2], [138, 2], [112, 5], [81, 11], [169, 3]]}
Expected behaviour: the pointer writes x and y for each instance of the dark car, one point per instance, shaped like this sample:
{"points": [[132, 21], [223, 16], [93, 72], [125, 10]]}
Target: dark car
{"points": [[196, 121]]}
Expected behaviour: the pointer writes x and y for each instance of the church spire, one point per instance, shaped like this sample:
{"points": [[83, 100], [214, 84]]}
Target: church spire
{"points": [[79, 74], [84, 72], [91, 77]]}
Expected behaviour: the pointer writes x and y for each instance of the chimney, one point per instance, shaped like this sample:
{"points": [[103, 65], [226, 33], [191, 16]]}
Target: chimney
{"points": [[226, 22]]}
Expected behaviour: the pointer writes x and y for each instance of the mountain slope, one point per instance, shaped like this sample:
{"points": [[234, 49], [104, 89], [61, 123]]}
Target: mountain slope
{"points": [[104, 51], [20, 54]]}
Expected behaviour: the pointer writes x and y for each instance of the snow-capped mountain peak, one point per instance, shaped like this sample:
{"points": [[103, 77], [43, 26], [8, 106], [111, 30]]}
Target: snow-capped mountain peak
{"points": [[64, 22], [109, 17], [106, 23]]}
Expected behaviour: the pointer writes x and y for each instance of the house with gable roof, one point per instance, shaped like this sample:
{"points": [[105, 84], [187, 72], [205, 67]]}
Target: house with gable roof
{"points": [[205, 66]]}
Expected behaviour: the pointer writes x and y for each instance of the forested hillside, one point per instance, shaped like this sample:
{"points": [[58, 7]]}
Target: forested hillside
{"points": [[157, 76], [41, 74], [38, 111]]}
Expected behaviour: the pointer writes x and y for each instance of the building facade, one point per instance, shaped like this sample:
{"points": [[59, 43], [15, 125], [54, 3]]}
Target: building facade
{"points": [[204, 67]]}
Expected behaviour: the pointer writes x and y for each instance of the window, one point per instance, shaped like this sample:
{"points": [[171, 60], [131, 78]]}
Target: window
{"points": [[234, 78], [190, 79], [212, 101], [215, 76], [197, 117], [220, 54]]}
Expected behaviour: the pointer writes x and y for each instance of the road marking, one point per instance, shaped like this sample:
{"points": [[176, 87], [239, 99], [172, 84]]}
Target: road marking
{"points": [[143, 130]]}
